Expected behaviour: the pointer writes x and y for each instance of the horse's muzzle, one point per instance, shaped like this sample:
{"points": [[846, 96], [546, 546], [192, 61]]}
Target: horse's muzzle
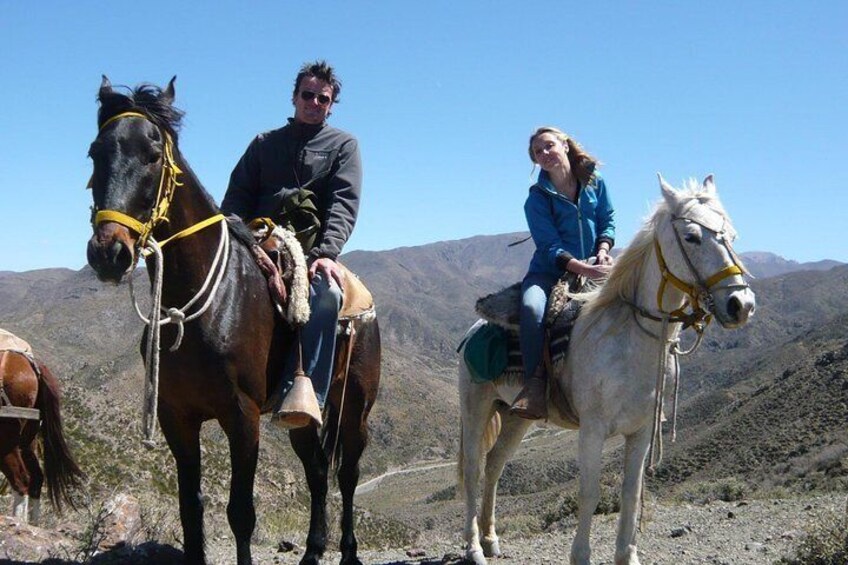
{"points": [[735, 308], [110, 252]]}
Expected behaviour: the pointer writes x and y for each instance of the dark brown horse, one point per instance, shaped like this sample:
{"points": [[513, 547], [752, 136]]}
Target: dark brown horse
{"points": [[230, 358], [31, 404]]}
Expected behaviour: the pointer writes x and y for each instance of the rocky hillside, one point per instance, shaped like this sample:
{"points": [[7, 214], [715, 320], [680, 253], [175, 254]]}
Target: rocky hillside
{"points": [[781, 381]]}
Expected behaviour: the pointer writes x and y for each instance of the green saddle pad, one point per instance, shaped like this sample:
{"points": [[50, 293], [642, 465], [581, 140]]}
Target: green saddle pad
{"points": [[486, 353]]}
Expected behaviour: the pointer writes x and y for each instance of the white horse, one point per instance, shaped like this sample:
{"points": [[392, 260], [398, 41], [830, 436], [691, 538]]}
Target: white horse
{"points": [[679, 270]]}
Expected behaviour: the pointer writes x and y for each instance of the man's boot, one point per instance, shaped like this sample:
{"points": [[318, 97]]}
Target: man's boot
{"points": [[532, 402]]}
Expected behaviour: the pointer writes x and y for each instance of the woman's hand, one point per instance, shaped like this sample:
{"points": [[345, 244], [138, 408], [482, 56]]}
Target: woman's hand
{"points": [[593, 272], [603, 257]]}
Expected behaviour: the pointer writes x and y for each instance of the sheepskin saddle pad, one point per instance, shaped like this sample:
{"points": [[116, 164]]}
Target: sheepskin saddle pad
{"points": [[504, 307], [11, 342]]}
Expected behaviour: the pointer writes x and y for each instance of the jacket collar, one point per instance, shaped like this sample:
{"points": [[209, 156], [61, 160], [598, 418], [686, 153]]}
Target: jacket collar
{"points": [[305, 130], [544, 182]]}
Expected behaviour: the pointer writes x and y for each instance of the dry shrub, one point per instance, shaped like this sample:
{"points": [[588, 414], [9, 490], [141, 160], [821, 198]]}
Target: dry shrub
{"points": [[609, 502], [826, 543], [730, 489]]}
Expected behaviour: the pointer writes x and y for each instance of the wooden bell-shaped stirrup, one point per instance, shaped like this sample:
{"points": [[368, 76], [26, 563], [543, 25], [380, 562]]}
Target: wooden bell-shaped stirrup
{"points": [[300, 406]]}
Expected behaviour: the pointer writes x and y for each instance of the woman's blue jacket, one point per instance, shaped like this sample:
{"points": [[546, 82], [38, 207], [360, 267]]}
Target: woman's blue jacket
{"points": [[562, 228]]}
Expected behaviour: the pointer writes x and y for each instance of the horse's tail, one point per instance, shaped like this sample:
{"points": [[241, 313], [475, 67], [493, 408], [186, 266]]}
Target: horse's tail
{"points": [[60, 469], [490, 437]]}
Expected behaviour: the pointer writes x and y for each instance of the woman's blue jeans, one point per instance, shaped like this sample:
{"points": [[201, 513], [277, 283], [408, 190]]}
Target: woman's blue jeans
{"points": [[318, 336], [535, 290]]}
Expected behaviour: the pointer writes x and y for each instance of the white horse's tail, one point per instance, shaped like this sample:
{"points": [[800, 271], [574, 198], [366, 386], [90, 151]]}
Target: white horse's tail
{"points": [[490, 436], [493, 427]]}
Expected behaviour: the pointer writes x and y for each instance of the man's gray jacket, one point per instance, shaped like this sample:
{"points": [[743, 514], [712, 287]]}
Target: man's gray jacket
{"points": [[278, 163]]}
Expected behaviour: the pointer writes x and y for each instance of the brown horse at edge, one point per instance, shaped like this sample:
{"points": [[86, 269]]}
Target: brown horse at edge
{"points": [[29, 385]]}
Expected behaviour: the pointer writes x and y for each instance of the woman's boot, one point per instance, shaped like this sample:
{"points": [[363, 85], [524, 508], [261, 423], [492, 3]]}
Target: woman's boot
{"points": [[532, 402]]}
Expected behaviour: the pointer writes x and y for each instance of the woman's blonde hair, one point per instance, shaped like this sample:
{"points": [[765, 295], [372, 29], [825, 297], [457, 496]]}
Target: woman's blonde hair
{"points": [[582, 163]]}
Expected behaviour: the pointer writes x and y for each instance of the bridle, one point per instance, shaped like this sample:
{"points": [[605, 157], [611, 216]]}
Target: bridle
{"points": [[699, 295], [168, 183], [147, 244], [700, 304]]}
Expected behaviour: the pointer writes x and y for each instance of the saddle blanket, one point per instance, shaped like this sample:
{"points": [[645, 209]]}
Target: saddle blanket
{"points": [[560, 337]]}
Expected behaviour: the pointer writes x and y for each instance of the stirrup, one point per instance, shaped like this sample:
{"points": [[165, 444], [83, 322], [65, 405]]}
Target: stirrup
{"points": [[530, 408], [300, 406]]}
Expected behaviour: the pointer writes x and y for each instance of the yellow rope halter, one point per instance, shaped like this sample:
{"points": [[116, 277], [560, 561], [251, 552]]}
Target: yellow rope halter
{"points": [[690, 290], [168, 183]]}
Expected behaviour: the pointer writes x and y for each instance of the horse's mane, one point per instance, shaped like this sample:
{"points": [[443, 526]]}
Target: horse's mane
{"points": [[145, 98], [627, 270]]}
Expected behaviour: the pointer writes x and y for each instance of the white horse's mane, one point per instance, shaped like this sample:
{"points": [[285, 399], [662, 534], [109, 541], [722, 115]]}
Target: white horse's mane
{"points": [[627, 269]]}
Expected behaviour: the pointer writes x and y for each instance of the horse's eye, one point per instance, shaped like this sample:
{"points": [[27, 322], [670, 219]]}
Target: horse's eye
{"points": [[154, 156], [692, 237]]}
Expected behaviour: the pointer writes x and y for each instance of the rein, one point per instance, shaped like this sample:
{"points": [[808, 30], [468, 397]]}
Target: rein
{"points": [[147, 245], [698, 318]]}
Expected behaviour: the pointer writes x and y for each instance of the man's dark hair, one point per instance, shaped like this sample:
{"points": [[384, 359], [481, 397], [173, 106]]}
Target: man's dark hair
{"points": [[322, 71]]}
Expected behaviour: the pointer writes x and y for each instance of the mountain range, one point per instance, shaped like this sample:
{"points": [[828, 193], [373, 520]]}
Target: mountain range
{"points": [[766, 404]]}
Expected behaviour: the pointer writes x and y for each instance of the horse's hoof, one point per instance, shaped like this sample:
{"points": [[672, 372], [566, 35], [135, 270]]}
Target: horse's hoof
{"points": [[350, 561], [629, 557], [491, 548], [475, 556]]}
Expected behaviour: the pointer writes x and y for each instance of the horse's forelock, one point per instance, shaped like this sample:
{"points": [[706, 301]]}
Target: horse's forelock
{"points": [[145, 98], [692, 190]]}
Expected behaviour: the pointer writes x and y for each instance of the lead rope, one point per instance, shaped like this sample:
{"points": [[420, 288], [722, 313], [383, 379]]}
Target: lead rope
{"points": [[655, 450], [344, 392], [674, 352], [173, 316]]}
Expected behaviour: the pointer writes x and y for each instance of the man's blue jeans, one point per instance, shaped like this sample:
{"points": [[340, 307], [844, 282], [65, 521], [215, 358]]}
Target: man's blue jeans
{"points": [[318, 336], [535, 290]]}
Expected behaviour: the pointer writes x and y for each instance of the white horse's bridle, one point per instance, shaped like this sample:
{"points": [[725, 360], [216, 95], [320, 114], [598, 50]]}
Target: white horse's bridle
{"points": [[700, 293]]}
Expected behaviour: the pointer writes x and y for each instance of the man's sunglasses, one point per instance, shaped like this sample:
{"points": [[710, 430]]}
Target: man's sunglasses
{"points": [[307, 96]]}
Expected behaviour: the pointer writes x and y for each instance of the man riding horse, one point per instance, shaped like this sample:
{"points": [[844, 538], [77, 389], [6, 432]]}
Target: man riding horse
{"points": [[306, 176]]}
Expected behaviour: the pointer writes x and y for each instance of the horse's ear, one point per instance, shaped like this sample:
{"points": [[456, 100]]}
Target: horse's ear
{"points": [[709, 183], [668, 191], [169, 93], [105, 87]]}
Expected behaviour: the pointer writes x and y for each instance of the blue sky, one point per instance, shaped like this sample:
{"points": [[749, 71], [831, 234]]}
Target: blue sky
{"points": [[443, 96]]}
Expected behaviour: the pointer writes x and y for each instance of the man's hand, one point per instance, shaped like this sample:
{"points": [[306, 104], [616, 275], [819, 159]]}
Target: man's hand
{"points": [[328, 268]]}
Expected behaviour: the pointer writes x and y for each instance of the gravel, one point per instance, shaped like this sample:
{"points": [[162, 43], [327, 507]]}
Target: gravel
{"points": [[721, 533]]}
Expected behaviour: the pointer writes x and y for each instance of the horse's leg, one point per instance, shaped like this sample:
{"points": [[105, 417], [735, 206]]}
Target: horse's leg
{"points": [[36, 481], [354, 438], [307, 445], [20, 507], [243, 434], [590, 447], [476, 410], [512, 432], [635, 451], [15, 471], [183, 437]]}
